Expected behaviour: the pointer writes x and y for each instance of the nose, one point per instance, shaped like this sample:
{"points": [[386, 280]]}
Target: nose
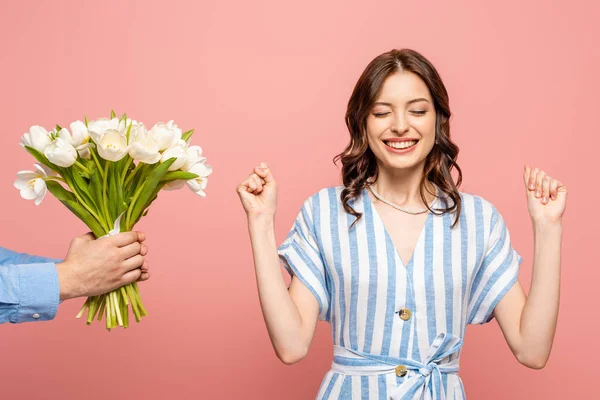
{"points": [[400, 123]]}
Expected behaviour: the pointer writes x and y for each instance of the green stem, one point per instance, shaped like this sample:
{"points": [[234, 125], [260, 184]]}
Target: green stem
{"points": [[117, 307], [105, 197], [97, 164], [132, 174], [131, 205], [108, 312], [132, 299], [143, 311], [127, 164], [82, 310], [83, 203], [82, 167], [102, 307], [124, 295], [54, 178]]}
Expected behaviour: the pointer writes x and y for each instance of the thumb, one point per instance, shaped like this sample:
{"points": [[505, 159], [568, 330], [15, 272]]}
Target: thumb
{"points": [[88, 237], [526, 175], [265, 173]]}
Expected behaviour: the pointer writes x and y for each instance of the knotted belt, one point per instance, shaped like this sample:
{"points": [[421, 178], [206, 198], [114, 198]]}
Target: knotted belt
{"points": [[428, 377]]}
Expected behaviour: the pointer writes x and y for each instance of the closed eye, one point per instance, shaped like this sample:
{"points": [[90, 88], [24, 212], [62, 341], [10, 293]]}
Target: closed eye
{"points": [[380, 115]]}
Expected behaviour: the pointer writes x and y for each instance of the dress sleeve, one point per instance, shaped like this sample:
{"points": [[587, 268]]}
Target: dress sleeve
{"points": [[497, 273], [300, 256]]}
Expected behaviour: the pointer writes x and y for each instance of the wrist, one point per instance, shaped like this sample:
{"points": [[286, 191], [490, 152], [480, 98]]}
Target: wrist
{"points": [[261, 219], [546, 225], [64, 282]]}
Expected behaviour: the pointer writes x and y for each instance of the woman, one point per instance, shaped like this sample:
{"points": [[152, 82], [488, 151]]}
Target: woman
{"points": [[397, 259]]}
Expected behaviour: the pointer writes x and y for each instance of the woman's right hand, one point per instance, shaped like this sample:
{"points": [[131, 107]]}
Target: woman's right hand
{"points": [[258, 192]]}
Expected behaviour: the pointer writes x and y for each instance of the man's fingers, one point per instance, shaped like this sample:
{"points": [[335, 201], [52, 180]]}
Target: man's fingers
{"points": [[131, 250], [144, 277], [126, 238], [132, 276], [133, 263]]}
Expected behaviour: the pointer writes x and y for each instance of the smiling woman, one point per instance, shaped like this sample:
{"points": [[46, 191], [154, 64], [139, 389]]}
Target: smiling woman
{"points": [[401, 274], [401, 102]]}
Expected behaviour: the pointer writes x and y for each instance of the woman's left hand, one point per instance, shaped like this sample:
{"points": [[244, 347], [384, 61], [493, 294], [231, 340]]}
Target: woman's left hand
{"points": [[546, 196]]}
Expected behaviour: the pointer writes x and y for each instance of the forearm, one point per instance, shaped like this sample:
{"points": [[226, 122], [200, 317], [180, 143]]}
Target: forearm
{"points": [[282, 318], [11, 257], [540, 312], [28, 292]]}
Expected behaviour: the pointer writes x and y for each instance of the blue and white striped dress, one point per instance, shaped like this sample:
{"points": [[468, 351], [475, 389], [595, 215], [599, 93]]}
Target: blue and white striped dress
{"points": [[456, 277]]}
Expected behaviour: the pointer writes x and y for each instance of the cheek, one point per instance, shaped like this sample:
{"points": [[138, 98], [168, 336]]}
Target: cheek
{"points": [[375, 128], [426, 127]]}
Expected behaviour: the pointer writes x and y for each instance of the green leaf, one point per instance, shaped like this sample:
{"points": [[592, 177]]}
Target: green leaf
{"points": [[42, 159], [59, 191], [186, 135], [119, 203], [58, 128], [112, 114], [82, 189], [96, 186], [154, 197], [113, 197], [149, 187], [129, 131], [178, 175], [85, 216], [86, 120]]}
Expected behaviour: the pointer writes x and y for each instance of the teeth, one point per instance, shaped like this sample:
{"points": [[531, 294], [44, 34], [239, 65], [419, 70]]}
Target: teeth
{"points": [[401, 145]]}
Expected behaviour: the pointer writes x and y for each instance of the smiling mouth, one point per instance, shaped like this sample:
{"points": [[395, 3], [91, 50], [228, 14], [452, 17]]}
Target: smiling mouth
{"points": [[401, 145]]}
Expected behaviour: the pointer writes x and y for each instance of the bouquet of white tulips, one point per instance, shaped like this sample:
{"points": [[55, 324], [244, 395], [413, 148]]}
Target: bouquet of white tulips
{"points": [[108, 172]]}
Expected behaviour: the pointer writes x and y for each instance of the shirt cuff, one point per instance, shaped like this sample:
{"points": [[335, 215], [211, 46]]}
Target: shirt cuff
{"points": [[40, 292]]}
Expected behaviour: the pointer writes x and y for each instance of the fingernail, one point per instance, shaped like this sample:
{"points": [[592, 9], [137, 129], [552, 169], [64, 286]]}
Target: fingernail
{"points": [[544, 199], [531, 186], [537, 193]]}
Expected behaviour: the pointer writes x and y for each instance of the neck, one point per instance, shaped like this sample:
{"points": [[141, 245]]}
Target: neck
{"points": [[402, 186]]}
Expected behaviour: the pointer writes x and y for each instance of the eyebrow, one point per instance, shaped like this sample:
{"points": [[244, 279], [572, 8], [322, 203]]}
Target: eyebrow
{"points": [[381, 103]]}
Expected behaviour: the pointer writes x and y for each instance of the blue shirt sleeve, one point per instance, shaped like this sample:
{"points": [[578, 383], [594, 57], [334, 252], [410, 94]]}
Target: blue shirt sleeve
{"points": [[29, 289], [12, 257]]}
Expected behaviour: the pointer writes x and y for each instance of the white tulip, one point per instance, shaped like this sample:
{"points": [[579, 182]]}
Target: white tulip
{"points": [[197, 185], [124, 125], [194, 155], [174, 185], [167, 135], [143, 146], [79, 137], [112, 145], [32, 184], [179, 151], [37, 138], [60, 151], [101, 126]]}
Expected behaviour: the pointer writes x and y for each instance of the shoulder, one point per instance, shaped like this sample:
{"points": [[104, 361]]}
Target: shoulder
{"points": [[324, 196], [479, 210]]}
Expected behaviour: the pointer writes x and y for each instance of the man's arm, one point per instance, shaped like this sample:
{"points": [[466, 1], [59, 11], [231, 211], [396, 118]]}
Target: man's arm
{"points": [[28, 292], [12, 257]]}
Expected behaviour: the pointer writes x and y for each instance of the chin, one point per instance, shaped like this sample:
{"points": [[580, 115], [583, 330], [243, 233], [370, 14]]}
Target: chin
{"points": [[402, 162]]}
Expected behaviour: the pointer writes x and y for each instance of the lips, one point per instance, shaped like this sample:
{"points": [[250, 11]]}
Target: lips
{"points": [[400, 144]]}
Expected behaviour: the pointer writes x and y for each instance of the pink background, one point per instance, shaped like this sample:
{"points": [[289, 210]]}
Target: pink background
{"points": [[266, 80]]}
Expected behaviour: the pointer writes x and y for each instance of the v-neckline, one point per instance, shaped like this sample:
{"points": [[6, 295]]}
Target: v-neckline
{"points": [[389, 237]]}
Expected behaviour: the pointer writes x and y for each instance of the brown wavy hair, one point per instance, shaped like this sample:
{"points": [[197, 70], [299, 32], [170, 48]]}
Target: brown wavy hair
{"points": [[358, 161]]}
